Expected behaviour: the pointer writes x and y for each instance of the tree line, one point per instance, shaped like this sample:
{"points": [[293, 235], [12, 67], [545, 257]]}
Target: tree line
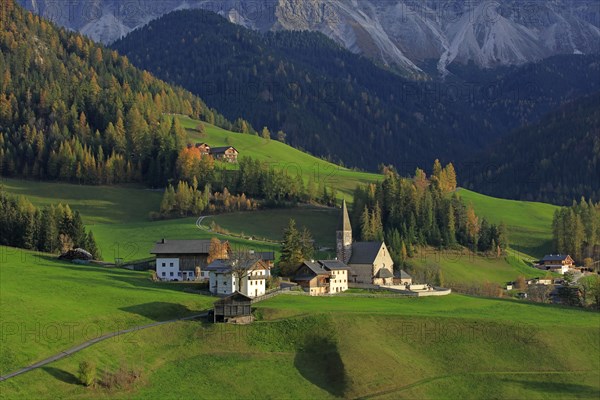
{"points": [[75, 111], [51, 229], [576, 231], [422, 211]]}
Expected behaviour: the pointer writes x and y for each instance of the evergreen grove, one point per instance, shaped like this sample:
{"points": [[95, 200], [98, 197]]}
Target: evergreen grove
{"points": [[51, 229], [422, 211]]}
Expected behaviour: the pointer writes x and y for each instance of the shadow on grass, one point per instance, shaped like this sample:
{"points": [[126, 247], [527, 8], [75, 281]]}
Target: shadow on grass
{"points": [[319, 362], [157, 310], [62, 375], [558, 388]]}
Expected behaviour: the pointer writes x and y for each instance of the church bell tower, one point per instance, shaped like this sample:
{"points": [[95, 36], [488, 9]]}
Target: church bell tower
{"points": [[344, 237]]}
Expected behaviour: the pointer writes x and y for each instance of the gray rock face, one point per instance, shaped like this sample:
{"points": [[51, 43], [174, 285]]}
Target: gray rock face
{"points": [[400, 33]]}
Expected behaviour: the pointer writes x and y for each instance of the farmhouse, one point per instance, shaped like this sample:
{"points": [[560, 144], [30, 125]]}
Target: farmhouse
{"points": [[247, 275], [204, 148], [322, 277], [177, 260], [559, 263], [369, 262], [227, 154]]}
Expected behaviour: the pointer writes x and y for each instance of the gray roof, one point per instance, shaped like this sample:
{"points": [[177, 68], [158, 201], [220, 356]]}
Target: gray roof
{"points": [[181, 247], [384, 273], [345, 221], [265, 255], [365, 252], [316, 268], [403, 275], [219, 150], [224, 266], [555, 257], [331, 265]]}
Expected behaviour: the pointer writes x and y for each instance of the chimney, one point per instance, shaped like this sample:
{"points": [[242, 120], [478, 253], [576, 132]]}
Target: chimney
{"points": [[163, 241]]}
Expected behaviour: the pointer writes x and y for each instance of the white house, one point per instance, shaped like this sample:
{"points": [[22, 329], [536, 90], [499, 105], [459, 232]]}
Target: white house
{"points": [[223, 280], [177, 260]]}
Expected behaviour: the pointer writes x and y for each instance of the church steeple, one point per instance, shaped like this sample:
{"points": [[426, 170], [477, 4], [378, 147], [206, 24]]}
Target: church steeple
{"points": [[344, 236]]}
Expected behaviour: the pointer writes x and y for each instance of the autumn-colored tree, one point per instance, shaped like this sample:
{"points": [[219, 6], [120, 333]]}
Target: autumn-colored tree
{"points": [[217, 250]]}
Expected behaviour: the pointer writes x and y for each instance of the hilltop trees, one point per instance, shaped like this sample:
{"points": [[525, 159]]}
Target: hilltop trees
{"points": [[576, 230], [51, 229], [422, 211]]}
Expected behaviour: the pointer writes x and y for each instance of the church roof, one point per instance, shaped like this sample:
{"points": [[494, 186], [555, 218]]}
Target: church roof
{"points": [[384, 273], [365, 252], [345, 221]]}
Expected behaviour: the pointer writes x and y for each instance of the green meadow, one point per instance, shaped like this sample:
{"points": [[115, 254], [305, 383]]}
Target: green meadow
{"points": [[283, 157], [48, 305], [349, 347], [529, 224]]}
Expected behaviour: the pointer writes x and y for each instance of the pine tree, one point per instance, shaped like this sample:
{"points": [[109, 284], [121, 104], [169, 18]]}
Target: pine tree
{"points": [[291, 249]]}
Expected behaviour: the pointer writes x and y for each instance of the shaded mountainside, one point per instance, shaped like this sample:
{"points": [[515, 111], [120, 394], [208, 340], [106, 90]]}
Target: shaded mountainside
{"points": [[334, 103], [556, 160], [402, 34]]}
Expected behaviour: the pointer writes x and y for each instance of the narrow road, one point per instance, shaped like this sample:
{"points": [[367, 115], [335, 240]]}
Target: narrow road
{"points": [[89, 343], [199, 223]]}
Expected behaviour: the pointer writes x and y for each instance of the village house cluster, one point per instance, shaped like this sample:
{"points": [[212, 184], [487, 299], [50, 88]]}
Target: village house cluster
{"points": [[361, 264], [225, 153]]}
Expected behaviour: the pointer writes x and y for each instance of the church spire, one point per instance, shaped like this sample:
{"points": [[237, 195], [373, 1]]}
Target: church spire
{"points": [[345, 222], [344, 236]]}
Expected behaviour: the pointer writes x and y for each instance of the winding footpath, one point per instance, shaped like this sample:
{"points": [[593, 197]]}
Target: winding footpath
{"points": [[91, 342]]}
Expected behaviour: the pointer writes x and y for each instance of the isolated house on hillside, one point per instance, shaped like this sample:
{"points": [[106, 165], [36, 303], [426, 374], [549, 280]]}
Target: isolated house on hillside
{"points": [[370, 262], [224, 281], [204, 148], [322, 277], [558, 263], [227, 154], [176, 260]]}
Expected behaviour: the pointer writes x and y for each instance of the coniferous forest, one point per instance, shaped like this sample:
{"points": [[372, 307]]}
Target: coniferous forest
{"points": [[576, 231], [50, 229], [422, 211], [336, 104], [75, 111]]}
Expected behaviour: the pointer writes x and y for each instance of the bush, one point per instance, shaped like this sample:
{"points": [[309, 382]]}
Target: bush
{"points": [[122, 379], [87, 373]]}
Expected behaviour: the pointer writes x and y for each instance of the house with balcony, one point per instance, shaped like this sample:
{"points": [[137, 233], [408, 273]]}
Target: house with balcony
{"points": [[247, 276], [322, 277]]}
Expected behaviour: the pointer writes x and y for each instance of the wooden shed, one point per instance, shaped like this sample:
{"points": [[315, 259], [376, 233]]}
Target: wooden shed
{"points": [[236, 308]]}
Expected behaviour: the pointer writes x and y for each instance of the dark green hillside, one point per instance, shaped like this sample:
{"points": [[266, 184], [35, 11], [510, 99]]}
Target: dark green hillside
{"points": [[556, 161], [334, 103], [76, 111]]}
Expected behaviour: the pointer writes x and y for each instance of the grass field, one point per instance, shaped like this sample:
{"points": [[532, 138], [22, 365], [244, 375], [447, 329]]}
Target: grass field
{"points": [[283, 157], [466, 267], [269, 224], [47, 305], [318, 348], [529, 224]]}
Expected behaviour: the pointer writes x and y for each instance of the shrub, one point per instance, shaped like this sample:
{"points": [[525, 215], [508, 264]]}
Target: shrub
{"points": [[87, 373]]}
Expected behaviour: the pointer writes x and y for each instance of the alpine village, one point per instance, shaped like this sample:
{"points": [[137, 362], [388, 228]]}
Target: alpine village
{"points": [[299, 199]]}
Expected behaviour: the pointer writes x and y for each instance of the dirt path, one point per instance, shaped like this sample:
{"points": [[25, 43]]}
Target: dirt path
{"points": [[91, 342]]}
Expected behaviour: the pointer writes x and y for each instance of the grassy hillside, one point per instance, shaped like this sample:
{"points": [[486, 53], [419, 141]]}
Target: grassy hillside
{"points": [[529, 224], [282, 156], [466, 267], [118, 216], [48, 305], [450, 347]]}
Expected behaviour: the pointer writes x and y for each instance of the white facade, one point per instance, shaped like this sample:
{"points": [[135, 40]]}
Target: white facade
{"points": [[338, 281], [167, 269], [254, 284]]}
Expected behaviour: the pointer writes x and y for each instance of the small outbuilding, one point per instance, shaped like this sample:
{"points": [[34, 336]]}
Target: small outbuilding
{"points": [[236, 309]]}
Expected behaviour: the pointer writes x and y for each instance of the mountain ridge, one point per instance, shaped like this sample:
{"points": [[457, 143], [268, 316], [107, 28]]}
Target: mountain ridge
{"points": [[400, 34]]}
